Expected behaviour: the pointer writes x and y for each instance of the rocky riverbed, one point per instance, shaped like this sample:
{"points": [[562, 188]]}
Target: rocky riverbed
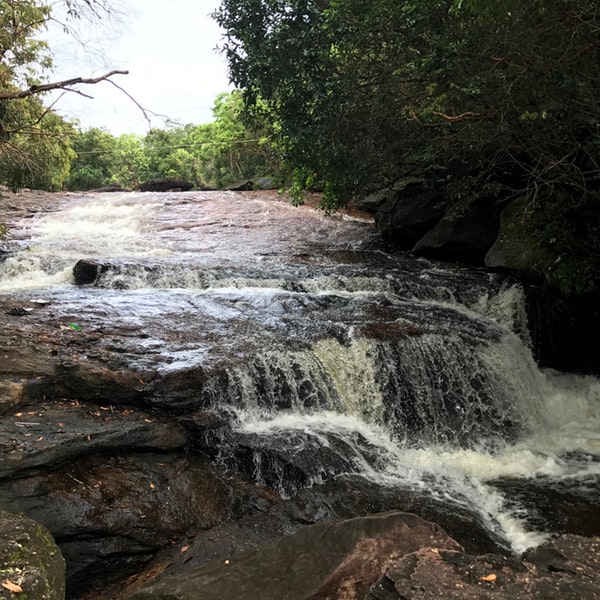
{"points": [[108, 450]]}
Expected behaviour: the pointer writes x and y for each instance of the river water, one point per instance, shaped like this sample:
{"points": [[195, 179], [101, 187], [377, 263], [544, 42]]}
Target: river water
{"points": [[326, 354]]}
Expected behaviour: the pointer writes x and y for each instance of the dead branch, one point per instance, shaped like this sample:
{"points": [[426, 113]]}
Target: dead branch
{"points": [[466, 116], [67, 84], [142, 109]]}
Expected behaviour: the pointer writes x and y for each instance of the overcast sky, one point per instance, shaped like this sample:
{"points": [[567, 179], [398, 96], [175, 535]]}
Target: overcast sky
{"points": [[169, 49]]}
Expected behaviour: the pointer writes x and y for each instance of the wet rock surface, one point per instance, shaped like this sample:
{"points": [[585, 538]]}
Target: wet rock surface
{"points": [[564, 568], [388, 556], [502, 235], [113, 428], [31, 565]]}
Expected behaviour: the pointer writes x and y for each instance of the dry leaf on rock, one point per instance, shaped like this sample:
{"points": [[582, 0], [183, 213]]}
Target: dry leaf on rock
{"points": [[11, 587]]}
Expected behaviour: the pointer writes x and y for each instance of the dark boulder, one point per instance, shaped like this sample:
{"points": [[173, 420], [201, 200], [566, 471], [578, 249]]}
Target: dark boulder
{"points": [[387, 556], [264, 183], [339, 559], [567, 567], [256, 183], [87, 271], [245, 185], [166, 184], [465, 233], [111, 187], [406, 212], [268, 518]]}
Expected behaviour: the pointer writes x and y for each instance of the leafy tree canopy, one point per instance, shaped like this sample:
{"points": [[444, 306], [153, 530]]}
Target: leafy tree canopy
{"points": [[214, 154], [495, 97], [34, 141]]}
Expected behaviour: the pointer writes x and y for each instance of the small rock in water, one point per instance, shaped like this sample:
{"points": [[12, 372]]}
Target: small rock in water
{"points": [[18, 311]]}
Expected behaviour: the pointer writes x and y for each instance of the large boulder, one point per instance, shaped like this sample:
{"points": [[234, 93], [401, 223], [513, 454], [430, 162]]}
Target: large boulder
{"points": [[32, 565], [334, 560], [115, 186], [465, 233], [166, 184], [387, 556], [86, 271], [406, 211], [256, 183], [567, 567]]}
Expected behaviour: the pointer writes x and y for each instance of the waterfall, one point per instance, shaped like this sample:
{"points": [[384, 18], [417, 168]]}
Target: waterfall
{"points": [[451, 411], [320, 354]]}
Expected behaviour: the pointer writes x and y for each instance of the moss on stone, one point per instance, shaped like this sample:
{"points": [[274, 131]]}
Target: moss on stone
{"points": [[549, 242], [30, 558]]}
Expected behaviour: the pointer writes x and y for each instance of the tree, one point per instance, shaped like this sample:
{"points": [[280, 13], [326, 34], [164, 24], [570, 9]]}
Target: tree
{"points": [[168, 154], [34, 141], [130, 160], [235, 146], [95, 163], [500, 95]]}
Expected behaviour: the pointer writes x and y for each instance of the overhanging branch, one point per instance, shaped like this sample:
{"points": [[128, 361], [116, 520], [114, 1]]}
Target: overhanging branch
{"points": [[66, 84]]}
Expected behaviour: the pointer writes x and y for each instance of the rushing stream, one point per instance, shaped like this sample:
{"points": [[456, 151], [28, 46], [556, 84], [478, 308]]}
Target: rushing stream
{"points": [[324, 354]]}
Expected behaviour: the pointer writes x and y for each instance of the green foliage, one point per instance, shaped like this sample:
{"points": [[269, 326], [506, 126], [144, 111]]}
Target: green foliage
{"points": [[35, 146], [368, 91], [94, 165], [560, 244], [214, 154], [236, 146], [493, 98], [23, 56], [129, 160]]}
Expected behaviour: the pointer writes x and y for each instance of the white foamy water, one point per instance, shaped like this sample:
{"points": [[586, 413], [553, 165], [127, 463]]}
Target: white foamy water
{"points": [[116, 227], [560, 441], [506, 419]]}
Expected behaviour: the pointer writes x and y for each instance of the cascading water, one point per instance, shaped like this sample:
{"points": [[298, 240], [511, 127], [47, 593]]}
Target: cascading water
{"points": [[322, 354]]}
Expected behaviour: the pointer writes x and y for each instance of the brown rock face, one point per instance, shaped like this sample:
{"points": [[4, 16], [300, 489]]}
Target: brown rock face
{"points": [[337, 561], [563, 568], [390, 556]]}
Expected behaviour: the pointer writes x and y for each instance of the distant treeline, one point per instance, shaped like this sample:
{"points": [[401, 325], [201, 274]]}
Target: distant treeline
{"points": [[214, 154]]}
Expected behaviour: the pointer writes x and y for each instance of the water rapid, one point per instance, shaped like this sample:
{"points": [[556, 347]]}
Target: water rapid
{"points": [[325, 355]]}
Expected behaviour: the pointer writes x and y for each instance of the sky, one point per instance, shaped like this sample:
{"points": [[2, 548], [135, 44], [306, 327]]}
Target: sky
{"points": [[169, 49]]}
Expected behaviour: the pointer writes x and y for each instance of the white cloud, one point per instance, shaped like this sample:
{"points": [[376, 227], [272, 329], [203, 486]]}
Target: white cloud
{"points": [[170, 53]]}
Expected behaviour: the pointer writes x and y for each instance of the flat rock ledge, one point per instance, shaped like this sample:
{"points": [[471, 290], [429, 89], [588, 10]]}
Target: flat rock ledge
{"points": [[386, 556], [31, 565]]}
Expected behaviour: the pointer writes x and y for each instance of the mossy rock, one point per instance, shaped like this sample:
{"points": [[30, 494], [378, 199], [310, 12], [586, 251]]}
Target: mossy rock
{"points": [[551, 243], [29, 559]]}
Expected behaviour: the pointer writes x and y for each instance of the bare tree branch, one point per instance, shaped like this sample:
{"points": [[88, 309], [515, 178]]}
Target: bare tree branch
{"points": [[142, 109], [57, 85]]}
